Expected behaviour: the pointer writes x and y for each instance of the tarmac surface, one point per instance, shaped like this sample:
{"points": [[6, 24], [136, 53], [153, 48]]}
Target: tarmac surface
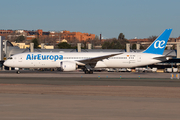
{"points": [[36, 95]]}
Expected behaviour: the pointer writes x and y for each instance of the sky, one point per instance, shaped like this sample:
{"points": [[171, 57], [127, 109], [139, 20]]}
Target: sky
{"points": [[133, 18]]}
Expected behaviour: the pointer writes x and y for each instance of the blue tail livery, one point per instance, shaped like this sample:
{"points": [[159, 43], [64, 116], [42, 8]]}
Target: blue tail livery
{"points": [[158, 46]]}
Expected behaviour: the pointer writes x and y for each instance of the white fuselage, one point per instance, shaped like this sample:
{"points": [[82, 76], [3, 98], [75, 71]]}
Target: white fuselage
{"points": [[52, 60]]}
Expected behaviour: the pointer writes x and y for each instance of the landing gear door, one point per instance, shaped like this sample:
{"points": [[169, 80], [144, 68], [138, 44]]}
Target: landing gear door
{"points": [[20, 58]]}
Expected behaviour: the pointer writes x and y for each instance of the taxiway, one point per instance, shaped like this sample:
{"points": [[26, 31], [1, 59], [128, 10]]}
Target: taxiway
{"points": [[101, 96]]}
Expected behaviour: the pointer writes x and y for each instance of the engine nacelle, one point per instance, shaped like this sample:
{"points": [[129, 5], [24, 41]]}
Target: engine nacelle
{"points": [[68, 66]]}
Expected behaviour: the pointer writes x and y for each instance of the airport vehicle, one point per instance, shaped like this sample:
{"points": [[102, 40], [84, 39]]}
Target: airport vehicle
{"points": [[170, 70], [69, 61]]}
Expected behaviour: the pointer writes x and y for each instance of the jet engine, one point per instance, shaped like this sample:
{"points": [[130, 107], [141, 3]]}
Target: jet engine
{"points": [[68, 66]]}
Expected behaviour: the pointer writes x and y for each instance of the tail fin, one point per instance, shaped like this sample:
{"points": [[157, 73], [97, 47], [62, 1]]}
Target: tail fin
{"points": [[158, 46]]}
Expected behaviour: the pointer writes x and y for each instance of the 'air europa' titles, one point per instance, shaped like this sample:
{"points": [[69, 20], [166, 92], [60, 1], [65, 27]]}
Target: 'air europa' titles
{"points": [[44, 57]]}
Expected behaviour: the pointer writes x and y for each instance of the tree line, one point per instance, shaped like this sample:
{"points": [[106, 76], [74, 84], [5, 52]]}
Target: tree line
{"points": [[113, 43]]}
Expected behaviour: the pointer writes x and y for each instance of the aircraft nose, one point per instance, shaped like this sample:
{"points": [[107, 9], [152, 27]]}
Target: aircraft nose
{"points": [[6, 63]]}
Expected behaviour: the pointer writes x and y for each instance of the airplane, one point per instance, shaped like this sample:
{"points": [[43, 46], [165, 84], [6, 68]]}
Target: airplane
{"points": [[68, 61]]}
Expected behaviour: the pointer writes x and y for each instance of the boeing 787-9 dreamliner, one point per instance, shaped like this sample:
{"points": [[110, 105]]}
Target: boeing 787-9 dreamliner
{"points": [[69, 61]]}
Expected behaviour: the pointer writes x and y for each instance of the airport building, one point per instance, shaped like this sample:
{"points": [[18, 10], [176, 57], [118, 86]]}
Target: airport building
{"points": [[76, 35], [42, 35]]}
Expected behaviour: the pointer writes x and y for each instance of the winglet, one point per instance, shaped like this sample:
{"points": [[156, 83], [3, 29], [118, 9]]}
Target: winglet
{"points": [[158, 46]]}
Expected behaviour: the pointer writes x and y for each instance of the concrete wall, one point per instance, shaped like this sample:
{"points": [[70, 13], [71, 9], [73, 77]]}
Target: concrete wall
{"points": [[178, 50], [127, 47], [137, 46], [79, 47], [32, 47], [89, 46], [1, 48], [42, 45]]}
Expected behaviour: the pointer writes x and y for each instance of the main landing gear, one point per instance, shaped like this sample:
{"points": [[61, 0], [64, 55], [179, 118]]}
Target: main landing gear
{"points": [[88, 71]]}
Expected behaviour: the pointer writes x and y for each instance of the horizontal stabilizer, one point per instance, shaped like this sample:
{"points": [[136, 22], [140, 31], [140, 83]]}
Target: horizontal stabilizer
{"points": [[161, 57]]}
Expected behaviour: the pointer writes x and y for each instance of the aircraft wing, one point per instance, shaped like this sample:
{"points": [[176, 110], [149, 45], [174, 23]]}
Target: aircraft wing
{"points": [[94, 60]]}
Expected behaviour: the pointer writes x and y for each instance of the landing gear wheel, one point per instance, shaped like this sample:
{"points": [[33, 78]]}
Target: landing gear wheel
{"points": [[90, 72], [18, 72], [86, 72]]}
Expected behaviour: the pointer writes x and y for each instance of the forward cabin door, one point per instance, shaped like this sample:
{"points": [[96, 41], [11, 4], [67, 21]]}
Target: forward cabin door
{"points": [[138, 58]]}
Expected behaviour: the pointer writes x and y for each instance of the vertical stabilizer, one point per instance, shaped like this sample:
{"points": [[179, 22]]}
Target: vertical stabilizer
{"points": [[158, 46]]}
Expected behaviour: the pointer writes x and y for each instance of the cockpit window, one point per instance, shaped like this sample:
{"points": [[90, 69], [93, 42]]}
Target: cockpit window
{"points": [[10, 58]]}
